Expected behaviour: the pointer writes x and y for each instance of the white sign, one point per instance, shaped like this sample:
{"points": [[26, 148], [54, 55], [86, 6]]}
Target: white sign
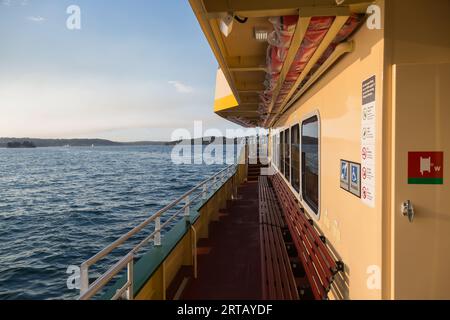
{"points": [[368, 141]]}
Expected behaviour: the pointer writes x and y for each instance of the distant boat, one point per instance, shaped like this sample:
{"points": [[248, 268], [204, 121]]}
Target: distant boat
{"points": [[66, 146], [92, 146]]}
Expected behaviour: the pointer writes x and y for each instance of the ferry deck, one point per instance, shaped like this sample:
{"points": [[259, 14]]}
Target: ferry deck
{"points": [[351, 199]]}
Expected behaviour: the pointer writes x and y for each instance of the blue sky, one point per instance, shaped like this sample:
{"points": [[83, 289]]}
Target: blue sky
{"points": [[137, 70]]}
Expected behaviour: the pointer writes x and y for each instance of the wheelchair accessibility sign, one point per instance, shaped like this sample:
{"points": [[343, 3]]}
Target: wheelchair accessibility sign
{"points": [[351, 177], [345, 175], [355, 182]]}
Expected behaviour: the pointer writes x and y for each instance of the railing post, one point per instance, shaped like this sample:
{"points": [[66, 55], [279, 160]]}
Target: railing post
{"points": [[84, 279], [130, 271], [157, 239], [215, 182], [187, 211], [205, 192]]}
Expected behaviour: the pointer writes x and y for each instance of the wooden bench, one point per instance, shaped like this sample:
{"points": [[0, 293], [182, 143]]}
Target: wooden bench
{"points": [[277, 277], [319, 264]]}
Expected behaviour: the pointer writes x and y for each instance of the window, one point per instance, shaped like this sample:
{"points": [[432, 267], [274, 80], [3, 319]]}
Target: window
{"points": [[278, 150], [295, 157], [310, 163], [275, 146], [281, 166], [287, 155], [275, 151], [272, 147]]}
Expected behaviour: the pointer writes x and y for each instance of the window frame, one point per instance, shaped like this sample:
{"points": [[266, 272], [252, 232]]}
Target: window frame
{"points": [[299, 191], [278, 150], [305, 204], [273, 146], [287, 138], [282, 154]]}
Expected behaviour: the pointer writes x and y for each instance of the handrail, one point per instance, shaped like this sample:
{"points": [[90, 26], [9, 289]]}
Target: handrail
{"points": [[105, 278], [88, 291]]}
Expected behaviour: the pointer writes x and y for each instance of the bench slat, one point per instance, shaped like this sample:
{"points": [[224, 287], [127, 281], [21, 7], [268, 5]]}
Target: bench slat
{"points": [[319, 264], [278, 279]]}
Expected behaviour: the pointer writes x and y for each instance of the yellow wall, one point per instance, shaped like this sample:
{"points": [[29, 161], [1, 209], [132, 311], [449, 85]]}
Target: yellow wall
{"points": [[410, 57], [417, 31], [421, 250], [417, 98], [353, 228]]}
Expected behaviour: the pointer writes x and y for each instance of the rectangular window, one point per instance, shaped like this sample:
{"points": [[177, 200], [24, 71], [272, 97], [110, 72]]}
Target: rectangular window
{"points": [[278, 150], [272, 147], [295, 157], [282, 153], [287, 155], [310, 163], [274, 151]]}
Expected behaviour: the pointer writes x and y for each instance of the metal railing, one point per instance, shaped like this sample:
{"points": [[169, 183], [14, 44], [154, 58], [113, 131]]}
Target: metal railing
{"points": [[187, 200]]}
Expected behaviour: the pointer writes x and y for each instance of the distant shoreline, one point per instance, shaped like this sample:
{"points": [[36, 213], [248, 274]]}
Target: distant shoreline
{"points": [[59, 143]]}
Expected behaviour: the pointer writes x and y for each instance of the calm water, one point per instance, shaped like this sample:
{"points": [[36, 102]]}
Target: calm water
{"points": [[60, 206]]}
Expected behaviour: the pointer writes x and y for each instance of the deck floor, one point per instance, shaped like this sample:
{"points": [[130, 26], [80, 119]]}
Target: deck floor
{"points": [[229, 262]]}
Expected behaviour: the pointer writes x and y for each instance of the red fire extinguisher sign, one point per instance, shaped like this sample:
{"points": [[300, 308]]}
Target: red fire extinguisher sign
{"points": [[426, 168]]}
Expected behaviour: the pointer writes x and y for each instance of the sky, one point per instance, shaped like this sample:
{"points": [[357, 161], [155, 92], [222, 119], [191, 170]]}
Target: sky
{"points": [[136, 70]]}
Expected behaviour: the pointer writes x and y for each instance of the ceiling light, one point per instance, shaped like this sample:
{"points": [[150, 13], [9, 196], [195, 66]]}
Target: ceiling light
{"points": [[226, 24], [261, 34]]}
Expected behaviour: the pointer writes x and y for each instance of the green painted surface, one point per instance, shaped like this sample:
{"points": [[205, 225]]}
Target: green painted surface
{"points": [[433, 181]]}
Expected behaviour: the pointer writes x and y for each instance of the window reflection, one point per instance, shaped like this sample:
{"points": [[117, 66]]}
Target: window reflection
{"points": [[310, 162], [295, 157]]}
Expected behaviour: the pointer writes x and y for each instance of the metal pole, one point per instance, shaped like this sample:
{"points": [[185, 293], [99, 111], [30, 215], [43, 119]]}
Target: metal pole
{"points": [[157, 239], [84, 279], [187, 212], [205, 192], [130, 272]]}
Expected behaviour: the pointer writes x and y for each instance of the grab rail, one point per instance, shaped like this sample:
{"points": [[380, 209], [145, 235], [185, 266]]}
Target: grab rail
{"points": [[188, 199]]}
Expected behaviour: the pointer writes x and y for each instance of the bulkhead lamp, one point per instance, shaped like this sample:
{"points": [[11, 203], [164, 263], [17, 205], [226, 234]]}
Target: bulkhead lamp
{"points": [[226, 24]]}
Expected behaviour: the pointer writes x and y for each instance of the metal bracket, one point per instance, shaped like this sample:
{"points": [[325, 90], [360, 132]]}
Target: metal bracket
{"points": [[340, 266], [323, 239]]}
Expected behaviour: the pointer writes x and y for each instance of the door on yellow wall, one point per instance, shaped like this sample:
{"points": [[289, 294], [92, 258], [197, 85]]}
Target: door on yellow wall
{"points": [[421, 149]]}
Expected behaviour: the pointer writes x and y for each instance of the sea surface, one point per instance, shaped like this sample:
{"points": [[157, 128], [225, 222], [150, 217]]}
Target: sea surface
{"points": [[60, 206]]}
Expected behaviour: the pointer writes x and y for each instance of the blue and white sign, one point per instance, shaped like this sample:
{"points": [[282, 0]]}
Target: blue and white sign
{"points": [[355, 183], [354, 174], [345, 175]]}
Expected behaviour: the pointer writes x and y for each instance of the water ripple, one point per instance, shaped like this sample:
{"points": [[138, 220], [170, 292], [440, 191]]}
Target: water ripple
{"points": [[59, 207]]}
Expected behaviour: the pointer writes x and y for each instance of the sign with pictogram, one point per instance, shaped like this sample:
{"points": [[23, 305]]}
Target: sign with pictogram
{"points": [[426, 168], [368, 142], [355, 181], [351, 177], [345, 175]]}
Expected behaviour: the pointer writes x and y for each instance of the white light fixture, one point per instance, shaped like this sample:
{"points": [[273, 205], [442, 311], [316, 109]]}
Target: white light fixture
{"points": [[226, 24], [261, 35]]}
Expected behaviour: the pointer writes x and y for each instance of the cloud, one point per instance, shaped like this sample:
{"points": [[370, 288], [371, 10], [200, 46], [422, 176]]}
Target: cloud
{"points": [[181, 87], [37, 19], [9, 3]]}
